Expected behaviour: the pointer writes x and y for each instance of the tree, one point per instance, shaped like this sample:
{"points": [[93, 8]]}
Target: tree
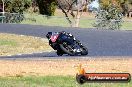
{"points": [[123, 5], [13, 10], [109, 16], [14, 6], [46, 7], [72, 8], [3, 5]]}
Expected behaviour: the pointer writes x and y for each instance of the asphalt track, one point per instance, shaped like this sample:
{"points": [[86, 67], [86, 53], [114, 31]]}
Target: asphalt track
{"points": [[98, 42]]}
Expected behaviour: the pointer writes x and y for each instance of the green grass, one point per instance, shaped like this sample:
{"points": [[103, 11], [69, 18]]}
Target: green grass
{"points": [[61, 21], [86, 23], [7, 43], [52, 81], [43, 20], [126, 26], [54, 21]]}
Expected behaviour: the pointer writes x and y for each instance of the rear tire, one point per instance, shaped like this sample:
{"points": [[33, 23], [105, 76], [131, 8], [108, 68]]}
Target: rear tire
{"points": [[59, 53], [67, 50]]}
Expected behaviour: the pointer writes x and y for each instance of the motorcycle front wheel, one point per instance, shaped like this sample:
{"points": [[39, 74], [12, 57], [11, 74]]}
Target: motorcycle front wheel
{"points": [[84, 51]]}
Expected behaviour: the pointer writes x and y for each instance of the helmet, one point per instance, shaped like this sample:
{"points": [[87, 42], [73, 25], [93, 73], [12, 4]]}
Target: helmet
{"points": [[49, 35]]}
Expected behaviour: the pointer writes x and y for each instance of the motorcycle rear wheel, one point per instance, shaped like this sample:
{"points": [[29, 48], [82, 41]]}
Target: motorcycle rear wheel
{"points": [[67, 49], [59, 53]]}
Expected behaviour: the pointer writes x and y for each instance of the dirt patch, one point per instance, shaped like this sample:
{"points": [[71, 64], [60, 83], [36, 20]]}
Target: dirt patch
{"points": [[11, 44], [64, 66]]}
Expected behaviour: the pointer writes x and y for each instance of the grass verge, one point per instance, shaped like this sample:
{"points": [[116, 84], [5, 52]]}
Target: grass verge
{"points": [[53, 81], [11, 44], [7, 42], [85, 22], [60, 72]]}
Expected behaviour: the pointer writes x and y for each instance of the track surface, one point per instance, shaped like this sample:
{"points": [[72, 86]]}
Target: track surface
{"points": [[98, 42]]}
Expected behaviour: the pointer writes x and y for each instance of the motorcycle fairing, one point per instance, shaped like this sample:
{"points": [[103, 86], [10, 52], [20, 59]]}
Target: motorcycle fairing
{"points": [[66, 38]]}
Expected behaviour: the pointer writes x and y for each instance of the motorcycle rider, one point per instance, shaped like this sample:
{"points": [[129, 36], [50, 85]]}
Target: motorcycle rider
{"points": [[66, 37], [63, 33], [60, 33], [65, 42]]}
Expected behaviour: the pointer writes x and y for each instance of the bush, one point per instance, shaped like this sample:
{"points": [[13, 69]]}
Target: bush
{"points": [[16, 6], [110, 18], [46, 7]]}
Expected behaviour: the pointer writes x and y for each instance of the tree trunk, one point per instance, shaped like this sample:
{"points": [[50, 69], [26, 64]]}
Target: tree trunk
{"points": [[3, 7], [77, 19]]}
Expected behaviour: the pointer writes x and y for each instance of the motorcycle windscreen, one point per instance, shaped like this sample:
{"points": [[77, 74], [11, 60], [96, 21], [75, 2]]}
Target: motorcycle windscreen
{"points": [[54, 37]]}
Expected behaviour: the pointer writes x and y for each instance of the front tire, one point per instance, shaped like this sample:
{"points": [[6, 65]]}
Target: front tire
{"points": [[84, 51]]}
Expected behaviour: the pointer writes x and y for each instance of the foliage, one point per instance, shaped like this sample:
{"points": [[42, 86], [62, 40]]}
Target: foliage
{"points": [[109, 18], [73, 8], [16, 6], [14, 10], [123, 5], [46, 7], [13, 17]]}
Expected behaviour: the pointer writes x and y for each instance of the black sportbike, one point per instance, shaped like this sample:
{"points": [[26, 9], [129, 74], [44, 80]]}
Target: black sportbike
{"points": [[66, 43]]}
